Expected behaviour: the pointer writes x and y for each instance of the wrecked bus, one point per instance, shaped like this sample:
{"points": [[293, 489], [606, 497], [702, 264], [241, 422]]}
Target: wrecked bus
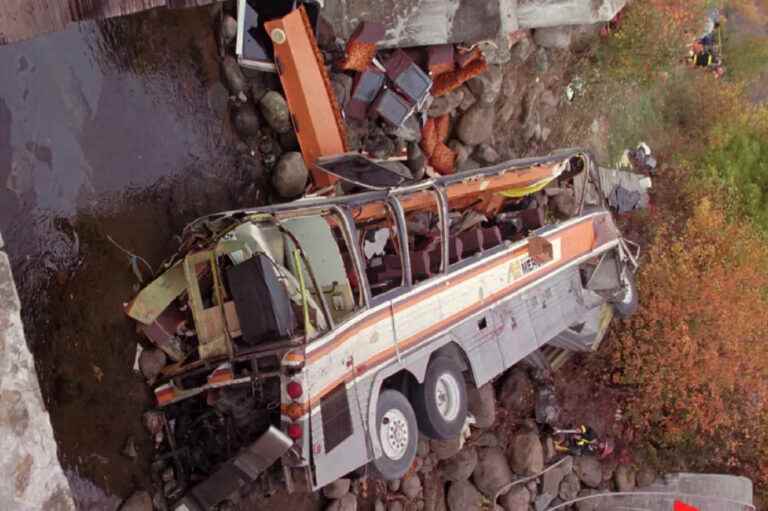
{"points": [[310, 339]]}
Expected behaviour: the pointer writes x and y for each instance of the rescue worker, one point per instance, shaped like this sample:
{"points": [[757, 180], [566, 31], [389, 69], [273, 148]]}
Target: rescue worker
{"points": [[581, 441]]}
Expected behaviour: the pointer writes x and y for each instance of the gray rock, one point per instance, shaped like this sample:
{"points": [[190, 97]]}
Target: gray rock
{"points": [[516, 392], [346, 503], [337, 489], [342, 87], [486, 439], [625, 478], [228, 28], [151, 362], [550, 481], [275, 111], [516, 499], [553, 37], [589, 471], [469, 164], [395, 505], [411, 486], [549, 449], [589, 504], [646, 476], [378, 505], [492, 471], [416, 161], [444, 449], [476, 125], [547, 410], [428, 465], [482, 404], [462, 151], [233, 75], [410, 131], [461, 466], [434, 494], [290, 175], [468, 100], [485, 153], [463, 496], [487, 86], [246, 121], [258, 90], [218, 98], [446, 104], [569, 487], [527, 454], [394, 485], [138, 501], [422, 447], [542, 501]]}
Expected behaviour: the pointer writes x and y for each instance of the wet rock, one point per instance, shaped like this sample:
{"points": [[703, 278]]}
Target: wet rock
{"points": [[463, 496], [482, 404], [516, 392], [468, 100], [541, 502], [138, 501], [550, 481], [290, 175], [444, 449], [547, 410], [394, 485], [569, 487], [346, 503], [589, 471], [446, 104], [275, 111], [422, 447], [416, 161], [492, 471], [646, 476], [337, 489], [410, 131], [553, 37], [625, 478], [246, 121], [487, 86], [151, 362], [461, 466], [516, 499], [476, 126], [233, 75], [411, 486], [129, 450], [485, 153], [395, 505], [228, 28], [527, 454], [342, 87]]}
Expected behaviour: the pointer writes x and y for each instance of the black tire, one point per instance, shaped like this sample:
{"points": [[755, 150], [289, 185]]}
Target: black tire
{"points": [[627, 304], [431, 421], [386, 467]]}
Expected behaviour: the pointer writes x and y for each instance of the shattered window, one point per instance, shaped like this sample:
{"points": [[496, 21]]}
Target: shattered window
{"points": [[425, 237], [380, 247]]}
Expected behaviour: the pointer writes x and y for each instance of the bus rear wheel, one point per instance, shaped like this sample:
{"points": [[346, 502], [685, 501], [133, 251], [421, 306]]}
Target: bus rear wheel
{"points": [[398, 434], [441, 401]]}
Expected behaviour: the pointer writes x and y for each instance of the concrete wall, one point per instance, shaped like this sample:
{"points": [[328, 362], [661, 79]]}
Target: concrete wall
{"points": [[31, 478]]}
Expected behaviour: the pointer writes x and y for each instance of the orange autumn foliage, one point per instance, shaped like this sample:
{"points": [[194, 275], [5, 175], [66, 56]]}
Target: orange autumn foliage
{"points": [[696, 352]]}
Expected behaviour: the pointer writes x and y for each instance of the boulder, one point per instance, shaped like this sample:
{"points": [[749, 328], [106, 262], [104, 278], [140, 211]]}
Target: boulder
{"points": [[411, 486], [246, 121], [469, 164], [485, 153], [516, 392], [422, 447], [461, 466], [275, 111], [394, 485], [395, 505], [550, 481], [434, 494], [476, 125], [290, 176], [346, 503], [444, 449], [468, 100], [138, 501], [547, 410], [429, 464], [378, 505], [487, 86], [151, 362], [416, 160], [446, 104], [492, 471], [463, 496], [589, 471], [646, 476], [542, 501], [516, 499], [549, 449], [462, 151], [482, 404], [486, 439], [553, 37], [527, 454], [233, 75], [589, 504], [228, 28], [569, 487], [625, 478], [218, 98], [337, 489]]}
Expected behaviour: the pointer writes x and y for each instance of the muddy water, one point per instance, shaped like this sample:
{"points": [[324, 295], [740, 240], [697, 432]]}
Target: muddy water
{"points": [[113, 129]]}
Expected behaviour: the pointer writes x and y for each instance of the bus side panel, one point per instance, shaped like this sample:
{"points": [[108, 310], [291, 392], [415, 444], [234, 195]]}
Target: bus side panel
{"points": [[477, 336], [517, 339]]}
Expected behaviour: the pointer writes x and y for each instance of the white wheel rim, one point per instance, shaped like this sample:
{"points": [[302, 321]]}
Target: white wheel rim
{"points": [[393, 433], [447, 396]]}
